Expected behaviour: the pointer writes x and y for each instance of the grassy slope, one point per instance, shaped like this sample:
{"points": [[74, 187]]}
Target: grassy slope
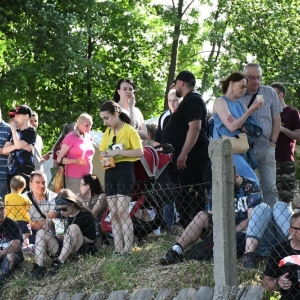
{"points": [[141, 270]]}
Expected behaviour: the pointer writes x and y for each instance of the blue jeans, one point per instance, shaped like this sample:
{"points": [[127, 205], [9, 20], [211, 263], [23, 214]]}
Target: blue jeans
{"points": [[268, 226], [169, 213], [3, 188]]}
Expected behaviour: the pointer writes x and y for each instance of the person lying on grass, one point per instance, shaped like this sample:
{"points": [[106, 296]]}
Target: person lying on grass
{"points": [[79, 237]]}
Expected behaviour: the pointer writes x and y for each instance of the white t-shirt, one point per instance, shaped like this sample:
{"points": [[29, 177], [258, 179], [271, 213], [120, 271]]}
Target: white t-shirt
{"points": [[37, 153], [138, 117]]}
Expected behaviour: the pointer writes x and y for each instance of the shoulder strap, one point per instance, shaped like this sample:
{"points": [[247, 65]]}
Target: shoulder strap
{"points": [[253, 98], [30, 196]]}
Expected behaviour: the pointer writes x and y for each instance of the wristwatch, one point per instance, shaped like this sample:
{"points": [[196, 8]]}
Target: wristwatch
{"points": [[273, 141], [276, 282]]}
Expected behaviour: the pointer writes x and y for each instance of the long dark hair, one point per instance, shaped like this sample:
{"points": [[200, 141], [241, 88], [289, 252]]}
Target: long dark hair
{"points": [[116, 96], [67, 129], [235, 77], [93, 181], [113, 107]]}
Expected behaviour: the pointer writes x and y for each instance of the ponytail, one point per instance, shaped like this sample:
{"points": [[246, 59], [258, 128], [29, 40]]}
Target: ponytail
{"points": [[125, 118]]}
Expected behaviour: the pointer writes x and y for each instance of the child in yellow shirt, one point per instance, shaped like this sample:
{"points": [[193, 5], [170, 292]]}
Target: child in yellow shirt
{"points": [[17, 206]]}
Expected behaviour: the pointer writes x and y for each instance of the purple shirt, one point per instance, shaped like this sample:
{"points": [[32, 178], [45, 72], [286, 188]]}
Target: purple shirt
{"points": [[285, 146]]}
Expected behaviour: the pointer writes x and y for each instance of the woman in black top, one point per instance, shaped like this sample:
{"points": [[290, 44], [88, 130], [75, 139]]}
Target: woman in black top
{"points": [[79, 237]]}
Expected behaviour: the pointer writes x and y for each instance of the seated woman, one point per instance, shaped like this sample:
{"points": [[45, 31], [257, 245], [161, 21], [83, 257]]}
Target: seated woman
{"points": [[90, 190], [230, 116], [79, 238]]}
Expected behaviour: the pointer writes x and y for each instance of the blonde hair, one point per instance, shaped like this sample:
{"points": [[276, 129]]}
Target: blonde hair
{"points": [[83, 117], [70, 196], [17, 183], [173, 92]]}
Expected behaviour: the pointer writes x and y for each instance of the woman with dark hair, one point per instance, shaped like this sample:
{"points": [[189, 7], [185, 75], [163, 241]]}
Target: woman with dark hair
{"points": [[90, 191], [119, 180], [124, 96], [230, 116], [79, 238], [57, 146]]}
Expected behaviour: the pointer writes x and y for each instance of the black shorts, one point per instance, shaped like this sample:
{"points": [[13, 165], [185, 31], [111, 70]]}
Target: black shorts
{"points": [[25, 227], [120, 180]]}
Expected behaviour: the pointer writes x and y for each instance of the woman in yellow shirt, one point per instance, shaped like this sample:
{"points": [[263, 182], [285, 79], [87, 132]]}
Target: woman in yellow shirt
{"points": [[120, 180]]}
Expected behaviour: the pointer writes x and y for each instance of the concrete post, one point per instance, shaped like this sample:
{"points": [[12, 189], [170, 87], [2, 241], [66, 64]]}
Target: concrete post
{"points": [[225, 259]]}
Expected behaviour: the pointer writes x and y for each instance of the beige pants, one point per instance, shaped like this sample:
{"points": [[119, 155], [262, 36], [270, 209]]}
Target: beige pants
{"points": [[73, 184]]}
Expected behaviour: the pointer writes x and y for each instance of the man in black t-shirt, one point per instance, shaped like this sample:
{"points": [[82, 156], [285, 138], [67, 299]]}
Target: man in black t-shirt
{"points": [[11, 255], [186, 131], [19, 145], [283, 271]]}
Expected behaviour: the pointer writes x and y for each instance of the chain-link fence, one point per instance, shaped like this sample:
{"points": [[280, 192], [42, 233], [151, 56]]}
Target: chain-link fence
{"points": [[139, 243]]}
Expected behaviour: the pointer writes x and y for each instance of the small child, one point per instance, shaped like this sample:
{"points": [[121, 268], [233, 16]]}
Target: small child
{"points": [[17, 206]]}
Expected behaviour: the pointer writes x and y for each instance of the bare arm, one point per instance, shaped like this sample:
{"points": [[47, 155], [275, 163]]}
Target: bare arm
{"points": [[99, 206], [276, 123], [190, 141], [283, 282], [63, 151], [125, 153], [232, 124], [294, 135], [14, 247]]}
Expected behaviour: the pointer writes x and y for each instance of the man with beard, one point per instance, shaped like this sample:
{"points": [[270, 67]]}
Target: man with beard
{"points": [[186, 132]]}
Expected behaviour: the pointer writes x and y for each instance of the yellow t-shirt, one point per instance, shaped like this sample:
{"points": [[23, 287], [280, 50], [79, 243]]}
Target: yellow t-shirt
{"points": [[127, 136], [17, 206]]}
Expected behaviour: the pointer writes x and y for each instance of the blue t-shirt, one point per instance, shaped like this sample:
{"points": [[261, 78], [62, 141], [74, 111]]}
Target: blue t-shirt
{"points": [[248, 196]]}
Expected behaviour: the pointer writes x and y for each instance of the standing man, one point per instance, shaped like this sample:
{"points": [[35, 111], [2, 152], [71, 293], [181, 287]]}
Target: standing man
{"points": [[11, 255], [39, 146], [285, 148], [4, 133], [268, 117], [186, 132]]}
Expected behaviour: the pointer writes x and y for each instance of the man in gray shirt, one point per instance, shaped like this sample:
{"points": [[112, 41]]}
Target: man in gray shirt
{"points": [[268, 117]]}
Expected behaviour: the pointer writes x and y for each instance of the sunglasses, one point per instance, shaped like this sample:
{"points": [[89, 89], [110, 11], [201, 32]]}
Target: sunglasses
{"points": [[63, 209]]}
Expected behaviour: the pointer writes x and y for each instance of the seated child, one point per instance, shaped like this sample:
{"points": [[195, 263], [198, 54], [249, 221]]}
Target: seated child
{"points": [[17, 206]]}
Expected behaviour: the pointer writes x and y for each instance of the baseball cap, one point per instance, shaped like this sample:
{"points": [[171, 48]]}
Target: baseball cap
{"points": [[186, 76], [12, 113], [23, 110]]}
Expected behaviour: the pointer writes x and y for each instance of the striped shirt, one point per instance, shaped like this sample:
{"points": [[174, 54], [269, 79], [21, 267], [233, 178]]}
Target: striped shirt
{"points": [[264, 115], [4, 133]]}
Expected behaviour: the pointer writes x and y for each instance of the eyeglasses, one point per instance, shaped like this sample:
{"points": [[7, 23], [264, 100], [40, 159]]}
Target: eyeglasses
{"points": [[253, 78], [296, 228], [242, 86], [63, 209]]}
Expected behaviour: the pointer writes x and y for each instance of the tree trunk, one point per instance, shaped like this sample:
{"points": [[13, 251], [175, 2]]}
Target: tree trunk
{"points": [[174, 52]]}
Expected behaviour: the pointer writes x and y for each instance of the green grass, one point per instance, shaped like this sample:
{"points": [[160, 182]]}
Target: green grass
{"points": [[106, 273]]}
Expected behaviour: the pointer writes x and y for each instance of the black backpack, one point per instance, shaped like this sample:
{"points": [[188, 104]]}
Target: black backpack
{"points": [[204, 250]]}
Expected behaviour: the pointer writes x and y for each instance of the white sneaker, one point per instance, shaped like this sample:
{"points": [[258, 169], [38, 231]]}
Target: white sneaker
{"points": [[29, 249]]}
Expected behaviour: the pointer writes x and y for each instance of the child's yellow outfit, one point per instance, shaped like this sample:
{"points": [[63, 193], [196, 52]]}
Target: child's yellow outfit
{"points": [[17, 206]]}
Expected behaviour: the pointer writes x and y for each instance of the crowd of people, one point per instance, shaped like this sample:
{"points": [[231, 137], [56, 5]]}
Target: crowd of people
{"points": [[264, 179]]}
